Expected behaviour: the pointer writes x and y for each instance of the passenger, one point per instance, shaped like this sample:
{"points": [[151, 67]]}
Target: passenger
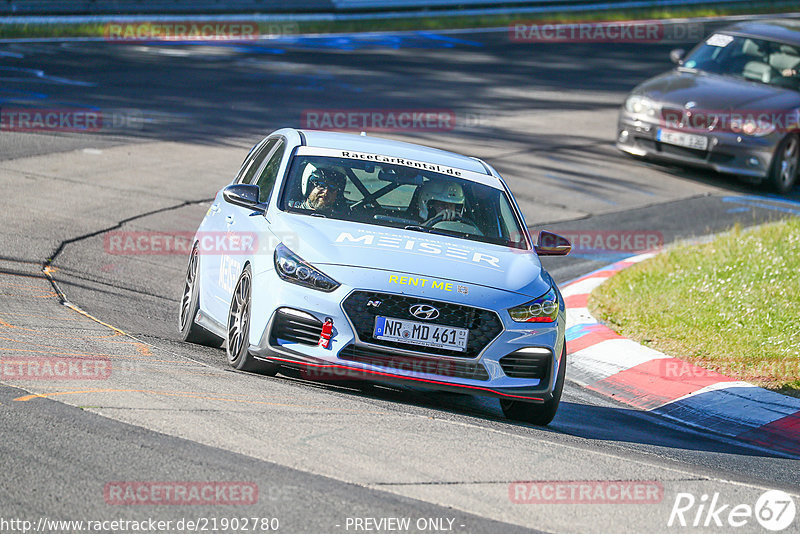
{"points": [[441, 199]]}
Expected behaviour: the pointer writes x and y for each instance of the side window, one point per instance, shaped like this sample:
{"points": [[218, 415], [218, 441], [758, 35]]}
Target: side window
{"points": [[253, 162], [266, 182]]}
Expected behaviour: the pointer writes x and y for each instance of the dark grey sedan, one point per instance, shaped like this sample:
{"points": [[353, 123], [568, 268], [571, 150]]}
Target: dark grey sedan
{"points": [[732, 104]]}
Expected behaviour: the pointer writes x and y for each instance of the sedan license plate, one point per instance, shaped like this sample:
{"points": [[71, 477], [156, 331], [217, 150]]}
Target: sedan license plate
{"points": [[422, 334], [698, 142]]}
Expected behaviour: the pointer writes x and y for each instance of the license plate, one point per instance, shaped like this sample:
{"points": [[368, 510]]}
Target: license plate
{"points": [[422, 334], [688, 140]]}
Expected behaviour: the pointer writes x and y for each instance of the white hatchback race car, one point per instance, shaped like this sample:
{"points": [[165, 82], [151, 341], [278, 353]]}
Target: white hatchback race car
{"points": [[354, 257]]}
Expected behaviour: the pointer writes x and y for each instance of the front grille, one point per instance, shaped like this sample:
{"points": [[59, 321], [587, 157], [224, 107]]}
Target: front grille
{"points": [[483, 325], [667, 148], [296, 327], [414, 364], [645, 143], [689, 119], [526, 365], [719, 157]]}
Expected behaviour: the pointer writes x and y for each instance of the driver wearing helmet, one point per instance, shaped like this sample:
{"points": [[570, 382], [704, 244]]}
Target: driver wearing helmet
{"points": [[324, 190], [441, 199]]}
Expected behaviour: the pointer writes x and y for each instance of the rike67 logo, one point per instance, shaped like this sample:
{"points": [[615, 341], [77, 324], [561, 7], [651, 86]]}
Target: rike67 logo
{"points": [[774, 510]]}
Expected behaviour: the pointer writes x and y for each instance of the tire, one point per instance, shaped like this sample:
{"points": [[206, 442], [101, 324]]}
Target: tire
{"points": [[189, 306], [783, 171], [238, 329], [538, 414]]}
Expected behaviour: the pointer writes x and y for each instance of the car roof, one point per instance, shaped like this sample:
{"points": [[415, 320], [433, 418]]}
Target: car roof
{"points": [[388, 147], [783, 30]]}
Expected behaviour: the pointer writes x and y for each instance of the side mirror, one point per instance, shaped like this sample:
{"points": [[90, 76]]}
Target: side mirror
{"points": [[551, 244], [677, 55], [245, 195]]}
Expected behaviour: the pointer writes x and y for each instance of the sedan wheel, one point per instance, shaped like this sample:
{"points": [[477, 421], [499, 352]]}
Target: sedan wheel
{"points": [[238, 338], [190, 305], [783, 174]]}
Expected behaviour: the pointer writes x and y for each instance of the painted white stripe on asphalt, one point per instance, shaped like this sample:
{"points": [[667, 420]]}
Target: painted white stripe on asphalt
{"points": [[641, 257], [583, 287], [613, 356], [576, 316]]}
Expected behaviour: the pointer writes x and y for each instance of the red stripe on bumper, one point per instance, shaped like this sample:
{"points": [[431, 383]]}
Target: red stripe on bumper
{"points": [[401, 377]]}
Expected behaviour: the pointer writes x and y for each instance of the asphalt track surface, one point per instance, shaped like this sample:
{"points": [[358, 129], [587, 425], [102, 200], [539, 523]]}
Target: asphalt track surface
{"points": [[180, 120]]}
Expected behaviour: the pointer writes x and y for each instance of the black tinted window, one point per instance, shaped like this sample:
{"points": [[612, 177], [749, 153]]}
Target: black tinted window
{"points": [[266, 181], [253, 161]]}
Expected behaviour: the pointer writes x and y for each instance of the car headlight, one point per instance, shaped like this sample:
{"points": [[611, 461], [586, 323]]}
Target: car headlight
{"points": [[641, 105], [292, 268], [541, 310], [754, 126]]}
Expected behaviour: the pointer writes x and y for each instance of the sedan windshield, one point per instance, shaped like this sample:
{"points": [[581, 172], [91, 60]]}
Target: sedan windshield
{"points": [[757, 60], [398, 196]]}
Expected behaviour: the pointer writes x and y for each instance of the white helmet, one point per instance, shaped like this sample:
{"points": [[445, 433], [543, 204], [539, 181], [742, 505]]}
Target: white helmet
{"points": [[442, 191]]}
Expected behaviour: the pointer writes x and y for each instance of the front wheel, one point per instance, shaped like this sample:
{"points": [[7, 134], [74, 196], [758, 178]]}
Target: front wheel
{"points": [[238, 332], [538, 414], [783, 171]]}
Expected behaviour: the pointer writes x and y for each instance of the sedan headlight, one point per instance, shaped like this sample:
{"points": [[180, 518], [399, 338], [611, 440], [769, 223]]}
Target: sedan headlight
{"points": [[641, 105], [292, 268], [755, 126], [541, 310]]}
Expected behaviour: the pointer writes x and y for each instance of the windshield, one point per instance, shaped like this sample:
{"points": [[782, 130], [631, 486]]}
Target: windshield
{"points": [[757, 60], [385, 194]]}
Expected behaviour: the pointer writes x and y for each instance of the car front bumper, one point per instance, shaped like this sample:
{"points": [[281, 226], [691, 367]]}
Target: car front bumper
{"points": [[727, 152], [287, 318]]}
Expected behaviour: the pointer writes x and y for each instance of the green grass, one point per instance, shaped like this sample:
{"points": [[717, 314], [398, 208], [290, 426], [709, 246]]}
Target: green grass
{"points": [[432, 22], [732, 305]]}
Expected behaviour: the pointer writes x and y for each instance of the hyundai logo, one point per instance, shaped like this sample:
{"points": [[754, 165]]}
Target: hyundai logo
{"points": [[424, 311]]}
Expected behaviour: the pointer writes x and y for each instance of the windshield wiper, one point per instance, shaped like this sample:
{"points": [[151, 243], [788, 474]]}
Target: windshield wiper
{"points": [[418, 228], [437, 231]]}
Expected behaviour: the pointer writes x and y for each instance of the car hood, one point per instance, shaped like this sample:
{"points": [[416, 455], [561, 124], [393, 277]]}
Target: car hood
{"points": [[715, 92], [332, 242]]}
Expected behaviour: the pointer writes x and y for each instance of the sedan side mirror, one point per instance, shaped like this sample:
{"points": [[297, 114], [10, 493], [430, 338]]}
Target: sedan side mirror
{"points": [[551, 244], [677, 55], [245, 195]]}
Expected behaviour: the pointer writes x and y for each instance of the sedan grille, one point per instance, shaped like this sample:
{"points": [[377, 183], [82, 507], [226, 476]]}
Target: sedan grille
{"points": [[363, 306]]}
